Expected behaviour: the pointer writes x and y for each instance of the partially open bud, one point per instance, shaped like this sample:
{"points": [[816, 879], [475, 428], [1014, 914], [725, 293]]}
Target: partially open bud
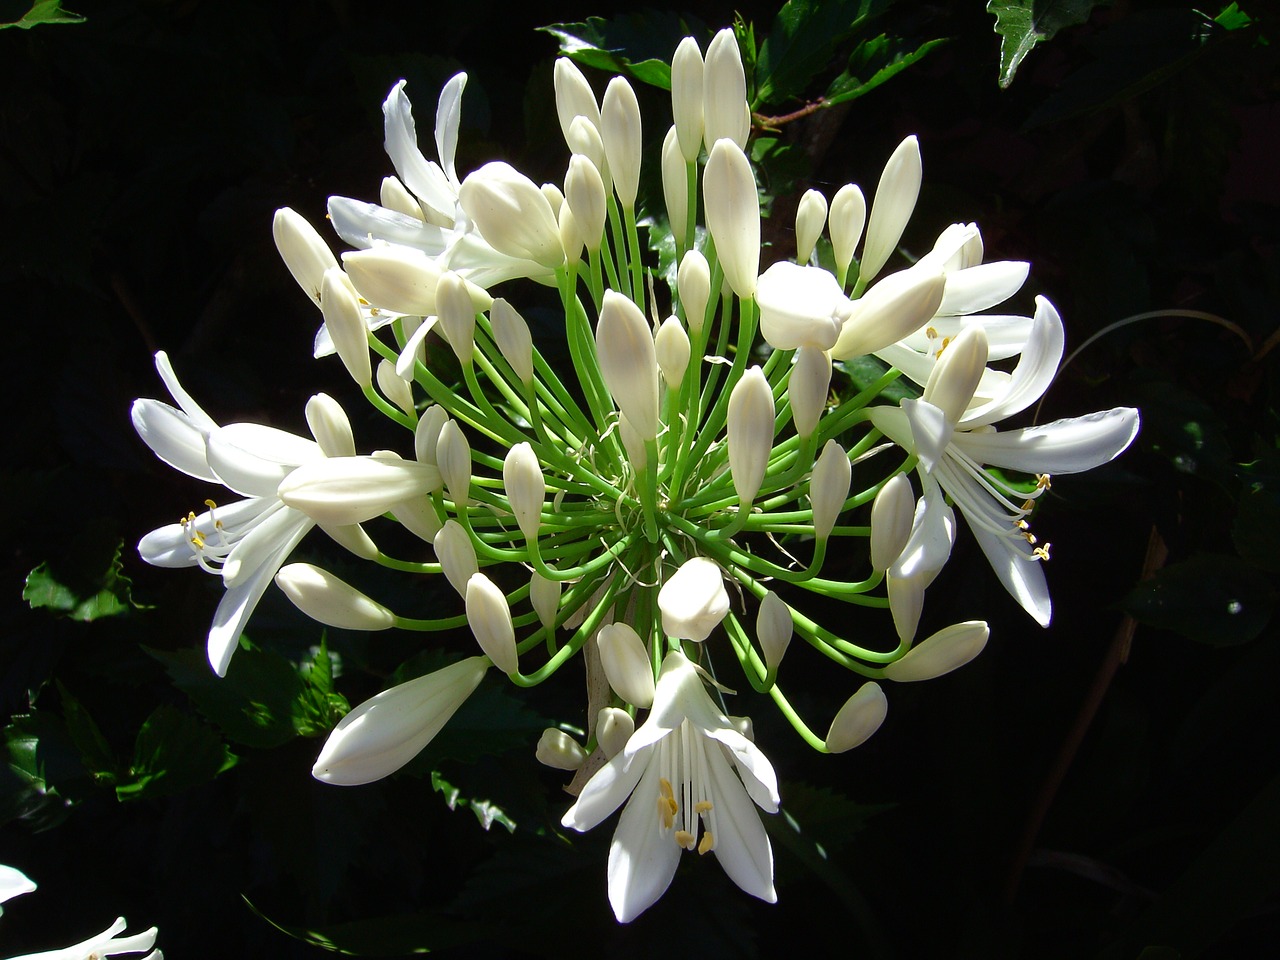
{"points": [[513, 337], [811, 217], [584, 193], [303, 251], [626, 664], [628, 362], [512, 214], [807, 388], [829, 487], [490, 620], [585, 141], [800, 306], [385, 732], [426, 435], [330, 426], [948, 649], [453, 456], [328, 600], [574, 97], [686, 97], [675, 186], [346, 490], [891, 514], [892, 207], [633, 444], [558, 750], [457, 318], [774, 629], [693, 601], [724, 84], [346, 326], [394, 387], [858, 719], [847, 218], [457, 555], [733, 215], [394, 195], [401, 280], [614, 728], [620, 130], [672, 346], [526, 488], [894, 308], [693, 281], [750, 434], [544, 594]]}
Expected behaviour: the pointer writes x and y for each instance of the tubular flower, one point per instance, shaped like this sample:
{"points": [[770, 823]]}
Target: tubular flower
{"points": [[689, 761]]}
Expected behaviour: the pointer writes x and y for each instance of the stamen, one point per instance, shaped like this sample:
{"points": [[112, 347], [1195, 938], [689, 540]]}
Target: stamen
{"points": [[707, 843], [1042, 481], [1041, 553], [685, 839], [702, 806]]}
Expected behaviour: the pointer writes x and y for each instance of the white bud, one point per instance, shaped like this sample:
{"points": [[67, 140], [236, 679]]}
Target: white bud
{"points": [[894, 308], [620, 130], [948, 649], [457, 555], [328, 600], [419, 517], [894, 202], [345, 323], [671, 344], [724, 83], [346, 490], [955, 376], [829, 487], [453, 455], [811, 217], [675, 185], [558, 750], [733, 215], [750, 433], [330, 426], [584, 193], [686, 97], [303, 251], [574, 97], [526, 487], [512, 214], [384, 733], [626, 663], [401, 280], [513, 337], [394, 195], [426, 435], [614, 728], [693, 281], [393, 387], [544, 594], [807, 388], [774, 628], [891, 514], [858, 719], [554, 197], [628, 362], [847, 218], [490, 620], [457, 316], [933, 532], [585, 140], [693, 601], [351, 537], [633, 444], [570, 236], [800, 306]]}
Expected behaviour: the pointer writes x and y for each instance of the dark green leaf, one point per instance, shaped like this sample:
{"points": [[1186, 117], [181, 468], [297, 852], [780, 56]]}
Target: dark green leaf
{"points": [[88, 738], [386, 936], [872, 63], [638, 45], [1216, 600], [486, 812], [173, 751], [1233, 18], [87, 585], [801, 42], [44, 11], [865, 371], [1024, 23]]}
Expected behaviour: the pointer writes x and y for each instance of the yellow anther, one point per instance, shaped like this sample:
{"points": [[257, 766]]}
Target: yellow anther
{"points": [[1021, 524], [197, 541], [931, 333], [374, 312], [1042, 481], [211, 505], [1041, 553], [665, 814], [1029, 537], [685, 839], [1028, 504], [363, 301], [702, 806], [707, 843]]}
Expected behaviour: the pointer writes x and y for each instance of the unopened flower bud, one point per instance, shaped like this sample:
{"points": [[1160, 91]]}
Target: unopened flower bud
{"points": [[948, 649], [750, 433], [419, 517], [346, 490], [585, 141], [328, 600], [330, 426], [490, 620], [574, 97], [693, 601], [401, 280], [800, 306], [686, 97], [453, 456], [811, 217], [584, 193], [847, 218], [933, 532], [457, 317], [614, 727], [829, 487], [724, 85], [303, 251], [457, 555], [633, 444], [351, 537], [526, 487], [346, 326], [628, 362], [858, 719], [807, 388], [894, 308], [512, 214], [733, 215], [675, 186], [513, 337], [384, 733], [892, 207], [394, 195], [773, 629], [620, 130], [693, 282], [672, 346], [744, 726], [554, 197], [544, 594], [394, 387], [626, 664], [426, 434], [891, 514], [558, 750], [956, 375], [570, 236]]}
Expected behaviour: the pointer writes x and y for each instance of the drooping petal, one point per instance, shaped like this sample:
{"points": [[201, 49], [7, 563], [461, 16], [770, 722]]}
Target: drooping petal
{"points": [[201, 420], [758, 775], [252, 459], [448, 120], [740, 842], [982, 287], [173, 437], [643, 855], [1064, 446], [607, 789], [1036, 369]]}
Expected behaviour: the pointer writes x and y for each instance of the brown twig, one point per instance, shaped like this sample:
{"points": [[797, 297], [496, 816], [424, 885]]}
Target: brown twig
{"points": [[773, 123]]}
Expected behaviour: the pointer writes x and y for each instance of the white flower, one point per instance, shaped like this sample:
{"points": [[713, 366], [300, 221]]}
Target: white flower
{"points": [[105, 944], [13, 883], [678, 769]]}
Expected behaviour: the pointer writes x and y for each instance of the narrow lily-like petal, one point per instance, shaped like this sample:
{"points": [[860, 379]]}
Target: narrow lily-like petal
{"points": [[671, 345], [1064, 446], [624, 345], [642, 861], [774, 628], [620, 130], [847, 217], [253, 459], [346, 490], [331, 601], [560, 751], [811, 217], [626, 664], [384, 733], [693, 281], [733, 215], [172, 437], [897, 306], [525, 486], [13, 883], [346, 326], [860, 717], [750, 433], [104, 944], [422, 176], [724, 86], [829, 487], [926, 552], [982, 286], [892, 207], [800, 307], [948, 649], [1014, 563], [303, 251], [1036, 369], [808, 387], [448, 120], [693, 601], [490, 620]]}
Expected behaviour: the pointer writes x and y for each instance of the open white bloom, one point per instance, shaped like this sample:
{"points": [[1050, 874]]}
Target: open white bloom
{"points": [[105, 944], [678, 769]]}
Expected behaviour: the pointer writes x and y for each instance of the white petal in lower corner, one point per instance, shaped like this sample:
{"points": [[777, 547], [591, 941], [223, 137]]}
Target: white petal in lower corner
{"points": [[1022, 576], [739, 841], [606, 791], [1065, 446], [173, 437], [643, 855]]}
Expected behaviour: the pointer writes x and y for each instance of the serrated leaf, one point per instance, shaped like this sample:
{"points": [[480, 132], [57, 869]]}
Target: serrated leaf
{"points": [[637, 45], [87, 736], [1212, 599], [44, 11], [173, 751], [879, 60], [1024, 23], [88, 585], [486, 812], [801, 42]]}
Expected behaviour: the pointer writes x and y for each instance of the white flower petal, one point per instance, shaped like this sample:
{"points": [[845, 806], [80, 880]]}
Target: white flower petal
{"points": [[1036, 369], [643, 855], [358, 222], [422, 176], [173, 437], [982, 287], [1064, 446], [740, 842], [1023, 577], [252, 459], [606, 790], [448, 120]]}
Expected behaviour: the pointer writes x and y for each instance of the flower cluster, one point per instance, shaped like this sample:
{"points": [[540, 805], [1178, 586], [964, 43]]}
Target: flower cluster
{"points": [[636, 513]]}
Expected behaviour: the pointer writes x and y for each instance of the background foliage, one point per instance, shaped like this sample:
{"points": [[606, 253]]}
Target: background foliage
{"points": [[1108, 787]]}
